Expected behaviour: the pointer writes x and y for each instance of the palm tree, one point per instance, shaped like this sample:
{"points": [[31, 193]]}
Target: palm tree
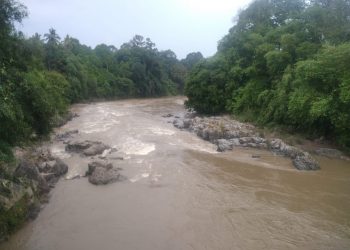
{"points": [[52, 38]]}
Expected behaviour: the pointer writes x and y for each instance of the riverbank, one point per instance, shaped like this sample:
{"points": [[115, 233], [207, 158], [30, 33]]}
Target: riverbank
{"points": [[177, 191], [26, 181], [227, 133]]}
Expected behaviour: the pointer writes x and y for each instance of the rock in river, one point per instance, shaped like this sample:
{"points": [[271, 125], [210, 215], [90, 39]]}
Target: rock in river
{"points": [[88, 148], [102, 173]]}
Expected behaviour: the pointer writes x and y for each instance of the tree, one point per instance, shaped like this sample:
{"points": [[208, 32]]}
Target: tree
{"points": [[192, 59], [283, 62]]}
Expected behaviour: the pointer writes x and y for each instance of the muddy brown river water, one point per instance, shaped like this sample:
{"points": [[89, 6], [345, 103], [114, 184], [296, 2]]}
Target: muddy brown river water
{"points": [[182, 194]]}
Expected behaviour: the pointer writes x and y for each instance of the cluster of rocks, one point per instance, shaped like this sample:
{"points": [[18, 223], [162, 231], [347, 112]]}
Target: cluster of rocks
{"points": [[26, 187], [99, 172], [227, 134]]}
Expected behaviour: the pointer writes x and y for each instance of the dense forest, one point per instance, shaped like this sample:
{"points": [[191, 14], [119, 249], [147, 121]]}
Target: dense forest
{"points": [[285, 63], [41, 75]]}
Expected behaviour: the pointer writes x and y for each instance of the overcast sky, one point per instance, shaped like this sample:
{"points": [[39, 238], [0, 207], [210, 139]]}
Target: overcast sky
{"points": [[183, 26]]}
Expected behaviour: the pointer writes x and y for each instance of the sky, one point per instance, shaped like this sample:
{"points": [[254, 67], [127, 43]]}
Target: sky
{"points": [[184, 26]]}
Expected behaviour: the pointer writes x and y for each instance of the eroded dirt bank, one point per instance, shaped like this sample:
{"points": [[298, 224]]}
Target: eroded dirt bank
{"points": [[177, 192]]}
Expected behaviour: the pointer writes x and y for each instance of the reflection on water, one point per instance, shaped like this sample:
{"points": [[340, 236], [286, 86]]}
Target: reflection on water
{"points": [[182, 194]]}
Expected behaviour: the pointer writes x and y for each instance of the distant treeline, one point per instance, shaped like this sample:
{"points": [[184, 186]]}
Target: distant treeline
{"points": [[283, 63], [41, 75]]}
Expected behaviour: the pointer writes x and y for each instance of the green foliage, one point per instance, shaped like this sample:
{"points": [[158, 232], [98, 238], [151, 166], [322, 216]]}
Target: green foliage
{"points": [[11, 219], [206, 88], [5, 153], [284, 62], [39, 77], [192, 59], [42, 96]]}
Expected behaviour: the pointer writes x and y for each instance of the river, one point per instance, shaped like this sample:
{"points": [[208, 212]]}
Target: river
{"points": [[182, 194]]}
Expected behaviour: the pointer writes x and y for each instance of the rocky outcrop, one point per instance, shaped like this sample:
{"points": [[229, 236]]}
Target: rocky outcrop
{"points": [[44, 173], [227, 134], [87, 148], [23, 189], [301, 160], [102, 173]]}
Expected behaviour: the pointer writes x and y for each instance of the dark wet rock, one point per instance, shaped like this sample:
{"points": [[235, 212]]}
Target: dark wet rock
{"points": [[224, 145], [305, 161], [66, 135], [88, 148], [44, 174], [120, 158], [49, 177], [167, 115], [33, 210], [78, 147], [27, 169], [95, 149], [98, 164], [102, 173], [59, 168], [56, 167], [301, 160], [187, 123], [179, 124]]}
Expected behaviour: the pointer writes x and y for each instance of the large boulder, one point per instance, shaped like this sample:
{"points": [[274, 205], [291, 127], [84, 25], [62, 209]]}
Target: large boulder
{"points": [[27, 169], [59, 168], [178, 123], [102, 173], [96, 149], [88, 148], [78, 146], [305, 161], [224, 145]]}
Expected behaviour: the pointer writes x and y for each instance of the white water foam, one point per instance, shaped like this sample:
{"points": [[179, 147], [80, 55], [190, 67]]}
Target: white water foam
{"points": [[133, 146], [139, 177], [59, 152], [103, 120], [161, 131]]}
